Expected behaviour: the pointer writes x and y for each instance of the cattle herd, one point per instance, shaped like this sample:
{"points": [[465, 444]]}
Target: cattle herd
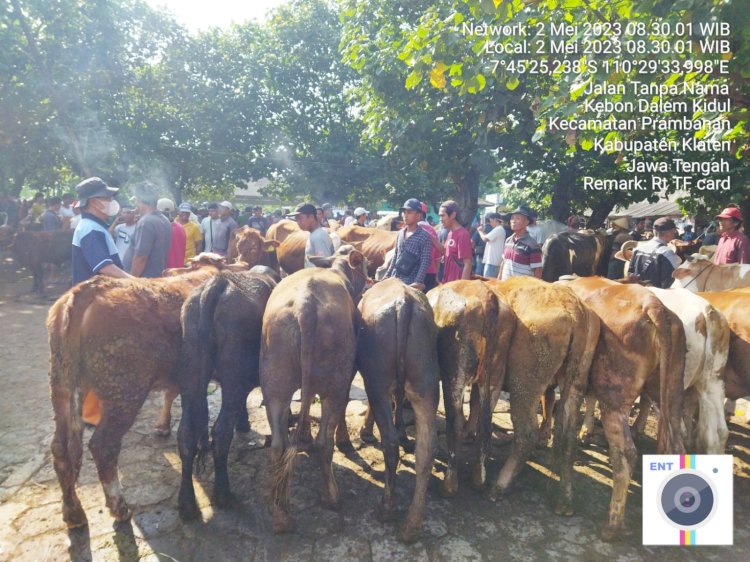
{"points": [[682, 349]]}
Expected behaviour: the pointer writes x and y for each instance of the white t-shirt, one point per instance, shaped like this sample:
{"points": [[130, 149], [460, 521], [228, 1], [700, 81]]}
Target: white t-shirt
{"points": [[123, 236], [493, 249]]}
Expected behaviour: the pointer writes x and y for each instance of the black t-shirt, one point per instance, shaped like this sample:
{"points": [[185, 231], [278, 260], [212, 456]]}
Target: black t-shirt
{"points": [[258, 223]]}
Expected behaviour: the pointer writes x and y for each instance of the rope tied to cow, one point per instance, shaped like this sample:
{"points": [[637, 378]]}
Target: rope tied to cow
{"points": [[694, 279]]}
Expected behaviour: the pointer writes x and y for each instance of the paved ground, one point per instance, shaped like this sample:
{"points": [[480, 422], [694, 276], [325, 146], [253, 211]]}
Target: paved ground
{"points": [[468, 527]]}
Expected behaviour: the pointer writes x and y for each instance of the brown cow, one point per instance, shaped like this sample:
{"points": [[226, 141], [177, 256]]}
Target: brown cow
{"points": [[291, 252], [474, 331], [396, 354], [309, 342], [553, 344], [247, 244], [119, 338], [33, 249], [735, 306], [280, 230], [373, 243], [641, 349]]}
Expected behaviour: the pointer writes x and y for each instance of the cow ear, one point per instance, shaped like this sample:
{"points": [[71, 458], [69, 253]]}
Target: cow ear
{"points": [[319, 261], [356, 258], [357, 245], [270, 245]]}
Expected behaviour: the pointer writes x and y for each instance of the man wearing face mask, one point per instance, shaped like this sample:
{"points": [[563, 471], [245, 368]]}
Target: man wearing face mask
{"points": [[94, 250], [95, 253]]}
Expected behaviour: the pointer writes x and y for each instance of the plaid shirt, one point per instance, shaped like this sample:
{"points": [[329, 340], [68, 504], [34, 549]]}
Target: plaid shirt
{"points": [[418, 244]]}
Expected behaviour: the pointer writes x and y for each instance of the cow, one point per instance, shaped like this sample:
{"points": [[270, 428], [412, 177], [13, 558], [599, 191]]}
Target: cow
{"points": [[291, 252], [735, 306], [475, 328], [373, 243], [583, 253], [641, 350], [280, 230], [247, 244], [707, 351], [119, 338], [397, 355], [313, 311], [34, 249], [221, 328], [698, 273], [553, 344]]}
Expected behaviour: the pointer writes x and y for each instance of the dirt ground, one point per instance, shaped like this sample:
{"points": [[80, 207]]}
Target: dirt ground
{"points": [[522, 526]]}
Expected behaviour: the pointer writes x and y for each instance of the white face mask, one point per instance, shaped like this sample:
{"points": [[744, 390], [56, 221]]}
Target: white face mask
{"points": [[113, 208]]}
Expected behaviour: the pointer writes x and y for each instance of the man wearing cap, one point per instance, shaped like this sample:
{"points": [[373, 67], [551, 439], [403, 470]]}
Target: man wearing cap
{"points": [[522, 255], [655, 261], [258, 221], [193, 237], [458, 251], [319, 243], [94, 252], [734, 246], [209, 225], [637, 232], [147, 255], [413, 254], [615, 267], [178, 241], [223, 228], [122, 230], [494, 241], [360, 216]]}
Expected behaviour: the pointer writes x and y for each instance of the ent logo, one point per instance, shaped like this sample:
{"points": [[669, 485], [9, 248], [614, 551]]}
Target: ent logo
{"points": [[660, 466]]}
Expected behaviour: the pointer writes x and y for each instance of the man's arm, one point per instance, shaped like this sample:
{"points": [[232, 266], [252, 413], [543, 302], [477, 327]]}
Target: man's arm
{"points": [[466, 272], [139, 264], [111, 270]]}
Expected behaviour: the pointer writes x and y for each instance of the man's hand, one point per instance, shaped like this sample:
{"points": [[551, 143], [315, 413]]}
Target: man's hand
{"points": [[418, 286]]}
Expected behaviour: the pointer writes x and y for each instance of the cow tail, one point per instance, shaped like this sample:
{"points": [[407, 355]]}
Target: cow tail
{"points": [[671, 381], [198, 356], [403, 321]]}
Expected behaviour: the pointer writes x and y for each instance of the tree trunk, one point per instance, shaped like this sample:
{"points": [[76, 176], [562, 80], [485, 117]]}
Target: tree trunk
{"points": [[599, 213], [467, 195]]}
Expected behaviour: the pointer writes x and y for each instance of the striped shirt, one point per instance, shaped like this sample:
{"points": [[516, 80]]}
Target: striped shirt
{"points": [[521, 256]]}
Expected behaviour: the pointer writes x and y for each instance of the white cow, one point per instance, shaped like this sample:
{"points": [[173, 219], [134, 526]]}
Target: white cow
{"points": [[698, 274]]}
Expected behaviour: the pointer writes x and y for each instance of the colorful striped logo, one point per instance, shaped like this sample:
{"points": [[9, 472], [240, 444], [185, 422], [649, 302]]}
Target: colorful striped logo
{"points": [[687, 461], [687, 538]]}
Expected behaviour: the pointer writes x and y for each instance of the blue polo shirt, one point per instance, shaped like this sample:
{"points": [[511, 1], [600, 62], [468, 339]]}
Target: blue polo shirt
{"points": [[93, 248]]}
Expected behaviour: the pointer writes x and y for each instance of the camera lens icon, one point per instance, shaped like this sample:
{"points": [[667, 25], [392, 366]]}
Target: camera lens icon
{"points": [[687, 499]]}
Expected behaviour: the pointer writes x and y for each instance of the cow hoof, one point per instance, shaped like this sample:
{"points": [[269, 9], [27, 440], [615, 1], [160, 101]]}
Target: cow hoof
{"points": [[283, 523], [223, 499], [331, 505], [611, 533], [75, 517], [122, 513], [189, 512], [242, 426], [407, 534], [448, 489], [345, 447], [367, 437], [407, 445], [564, 509], [162, 431], [386, 514]]}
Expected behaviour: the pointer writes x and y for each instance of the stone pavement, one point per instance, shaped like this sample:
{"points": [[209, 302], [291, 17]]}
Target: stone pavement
{"points": [[467, 527]]}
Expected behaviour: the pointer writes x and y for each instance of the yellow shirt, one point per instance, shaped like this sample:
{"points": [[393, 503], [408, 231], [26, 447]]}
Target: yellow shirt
{"points": [[193, 237]]}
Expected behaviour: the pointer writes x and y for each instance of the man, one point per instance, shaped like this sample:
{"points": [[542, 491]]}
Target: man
{"points": [[360, 216], [223, 227], [50, 218], [574, 223], [655, 261], [413, 254], [637, 232], [147, 255], [494, 241], [94, 252], [689, 235], [178, 241], [615, 267], [66, 209], [209, 225], [123, 230], [319, 244], [522, 255], [258, 221], [734, 246], [458, 252], [193, 237]]}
